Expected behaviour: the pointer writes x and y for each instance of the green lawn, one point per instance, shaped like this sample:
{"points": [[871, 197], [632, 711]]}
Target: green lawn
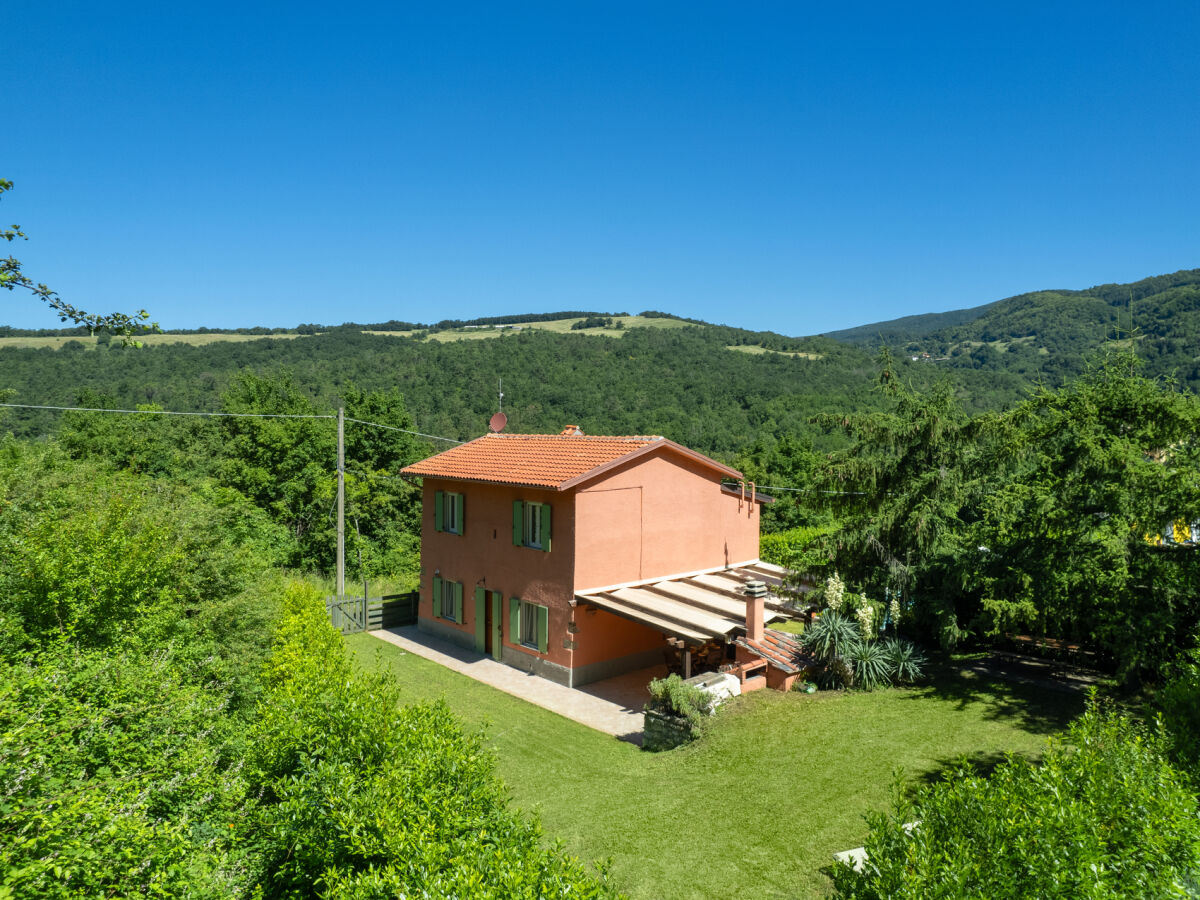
{"points": [[757, 806]]}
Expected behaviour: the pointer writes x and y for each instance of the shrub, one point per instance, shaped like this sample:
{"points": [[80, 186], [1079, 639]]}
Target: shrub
{"points": [[831, 636], [1104, 816], [1179, 702], [906, 663], [872, 666], [365, 798], [674, 696]]}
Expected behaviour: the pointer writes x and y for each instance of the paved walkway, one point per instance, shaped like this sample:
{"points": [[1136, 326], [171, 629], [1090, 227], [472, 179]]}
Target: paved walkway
{"points": [[613, 706]]}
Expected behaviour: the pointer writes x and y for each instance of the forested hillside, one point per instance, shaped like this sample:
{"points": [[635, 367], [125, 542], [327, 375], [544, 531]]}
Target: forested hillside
{"points": [[1051, 334], [684, 382]]}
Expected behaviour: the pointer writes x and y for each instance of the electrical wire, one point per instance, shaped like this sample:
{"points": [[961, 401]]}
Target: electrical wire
{"points": [[227, 415]]}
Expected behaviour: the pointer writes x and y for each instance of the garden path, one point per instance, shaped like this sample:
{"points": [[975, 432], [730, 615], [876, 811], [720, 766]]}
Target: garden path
{"points": [[613, 706]]}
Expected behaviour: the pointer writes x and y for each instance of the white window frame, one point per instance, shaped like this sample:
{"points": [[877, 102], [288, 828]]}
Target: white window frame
{"points": [[448, 601], [533, 525], [450, 523], [527, 620]]}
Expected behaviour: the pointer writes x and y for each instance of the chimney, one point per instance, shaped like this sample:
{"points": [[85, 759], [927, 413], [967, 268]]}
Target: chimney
{"points": [[571, 431], [756, 601]]}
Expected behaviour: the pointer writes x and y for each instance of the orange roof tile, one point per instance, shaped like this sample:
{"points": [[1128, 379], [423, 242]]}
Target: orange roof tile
{"points": [[779, 649], [556, 461]]}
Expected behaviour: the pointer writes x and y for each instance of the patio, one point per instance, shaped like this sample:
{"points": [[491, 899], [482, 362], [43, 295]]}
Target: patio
{"points": [[613, 705]]}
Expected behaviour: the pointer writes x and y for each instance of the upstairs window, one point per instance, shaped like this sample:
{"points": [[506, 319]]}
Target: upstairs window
{"points": [[531, 525], [448, 512]]}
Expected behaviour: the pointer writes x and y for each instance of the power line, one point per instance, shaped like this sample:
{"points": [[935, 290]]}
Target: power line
{"points": [[169, 412], [405, 430], [227, 415]]}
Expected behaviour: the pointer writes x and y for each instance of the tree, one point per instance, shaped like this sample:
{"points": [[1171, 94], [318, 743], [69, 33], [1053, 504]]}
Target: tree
{"points": [[1092, 474], [12, 276], [903, 489], [1105, 816]]}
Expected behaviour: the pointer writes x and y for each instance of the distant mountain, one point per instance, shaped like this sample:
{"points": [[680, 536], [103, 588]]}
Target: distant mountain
{"points": [[1051, 334]]}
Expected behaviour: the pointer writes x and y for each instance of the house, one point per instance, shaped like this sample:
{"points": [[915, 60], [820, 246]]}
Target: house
{"points": [[579, 557]]}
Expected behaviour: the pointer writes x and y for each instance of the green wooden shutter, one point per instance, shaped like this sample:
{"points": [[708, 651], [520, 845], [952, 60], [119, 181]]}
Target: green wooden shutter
{"points": [[543, 629], [462, 523], [480, 620], [458, 617], [437, 597], [514, 620], [497, 637], [518, 523], [439, 507], [545, 535]]}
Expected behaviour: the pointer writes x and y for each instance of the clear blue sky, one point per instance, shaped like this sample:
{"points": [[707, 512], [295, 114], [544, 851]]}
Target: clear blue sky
{"points": [[786, 166]]}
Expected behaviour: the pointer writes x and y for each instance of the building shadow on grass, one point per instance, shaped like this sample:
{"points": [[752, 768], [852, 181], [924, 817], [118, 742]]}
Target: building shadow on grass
{"points": [[1036, 707]]}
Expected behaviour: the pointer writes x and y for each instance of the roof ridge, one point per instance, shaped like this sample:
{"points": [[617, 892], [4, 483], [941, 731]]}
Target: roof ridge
{"points": [[647, 438]]}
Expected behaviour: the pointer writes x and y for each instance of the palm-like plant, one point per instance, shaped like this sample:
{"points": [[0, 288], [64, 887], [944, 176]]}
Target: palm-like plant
{"points": [[831, 636], [872, 668], [907, 663]]}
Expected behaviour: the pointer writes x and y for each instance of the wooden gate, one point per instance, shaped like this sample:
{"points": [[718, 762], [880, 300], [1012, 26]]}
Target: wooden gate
{"points": [[353, 614]]}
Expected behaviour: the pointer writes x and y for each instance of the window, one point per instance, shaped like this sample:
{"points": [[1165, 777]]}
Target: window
{"points": [[447, 600], [529, 625], [448, 512], [531, 525], [532, 535], [529, 622]]}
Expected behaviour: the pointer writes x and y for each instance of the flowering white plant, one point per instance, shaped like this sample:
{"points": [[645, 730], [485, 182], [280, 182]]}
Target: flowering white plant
{"points": [[865, 615], [894, 610], [835, 590]]}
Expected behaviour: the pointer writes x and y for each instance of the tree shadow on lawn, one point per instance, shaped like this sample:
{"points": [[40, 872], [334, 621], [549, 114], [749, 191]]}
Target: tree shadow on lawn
{"points": [[981, 763], [1032, 707]]}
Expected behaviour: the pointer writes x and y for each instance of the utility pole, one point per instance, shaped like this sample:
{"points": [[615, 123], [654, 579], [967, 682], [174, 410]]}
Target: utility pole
{"points": [[341, 503]]}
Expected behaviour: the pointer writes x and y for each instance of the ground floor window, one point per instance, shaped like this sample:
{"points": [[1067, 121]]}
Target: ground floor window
{"points": [[447, 600], [529, 618], [529, 625]]}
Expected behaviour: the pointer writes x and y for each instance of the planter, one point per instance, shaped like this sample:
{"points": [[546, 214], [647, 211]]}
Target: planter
{"points": [[661, 731]]}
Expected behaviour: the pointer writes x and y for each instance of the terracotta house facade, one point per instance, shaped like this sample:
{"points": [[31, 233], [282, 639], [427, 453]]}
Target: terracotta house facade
{"points": [[538, 549]]}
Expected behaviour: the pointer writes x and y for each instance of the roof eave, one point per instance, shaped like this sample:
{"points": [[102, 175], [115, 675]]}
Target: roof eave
{"points": [[661, 443]]}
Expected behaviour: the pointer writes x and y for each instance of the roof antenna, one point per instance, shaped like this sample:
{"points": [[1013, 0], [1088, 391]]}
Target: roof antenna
{"points": [[499, 420]]}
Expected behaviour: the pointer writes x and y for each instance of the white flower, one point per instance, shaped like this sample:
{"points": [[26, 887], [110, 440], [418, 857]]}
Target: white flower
{"points": [[894, 610], [865, 615], [834, 591]]}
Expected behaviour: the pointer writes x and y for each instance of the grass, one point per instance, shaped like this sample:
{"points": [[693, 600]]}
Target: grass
{"points": [[756, 807], [89, 343], [791, 626], [561, 326], [755, 349]]}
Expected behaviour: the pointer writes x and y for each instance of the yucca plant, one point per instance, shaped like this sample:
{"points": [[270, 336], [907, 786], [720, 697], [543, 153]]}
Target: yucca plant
{"points": [[872, 668], [905, 661], [831, 636]]}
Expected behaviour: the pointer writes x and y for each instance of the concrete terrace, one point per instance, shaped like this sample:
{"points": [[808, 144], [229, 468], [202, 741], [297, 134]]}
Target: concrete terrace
{"points": [[613, 706]]}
